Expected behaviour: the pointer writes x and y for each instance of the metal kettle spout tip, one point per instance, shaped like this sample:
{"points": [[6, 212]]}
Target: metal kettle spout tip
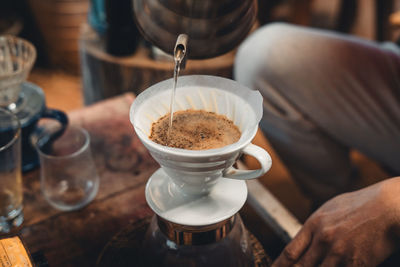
{"points": [[180, 50]]}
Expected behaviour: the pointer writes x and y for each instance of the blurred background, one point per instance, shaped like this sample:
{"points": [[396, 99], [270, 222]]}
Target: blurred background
{"points": [[55, 28]]}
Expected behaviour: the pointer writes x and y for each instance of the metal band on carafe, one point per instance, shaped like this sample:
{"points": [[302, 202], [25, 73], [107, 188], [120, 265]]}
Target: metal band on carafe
{"points": [[195, 235]]}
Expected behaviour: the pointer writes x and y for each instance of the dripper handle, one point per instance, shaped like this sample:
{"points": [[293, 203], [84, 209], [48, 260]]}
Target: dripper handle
{"points": [[262, 157]]}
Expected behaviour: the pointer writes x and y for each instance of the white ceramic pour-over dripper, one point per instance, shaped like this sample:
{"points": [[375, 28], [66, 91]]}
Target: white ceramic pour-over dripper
{"points": [[196, 171], [191, 187]]}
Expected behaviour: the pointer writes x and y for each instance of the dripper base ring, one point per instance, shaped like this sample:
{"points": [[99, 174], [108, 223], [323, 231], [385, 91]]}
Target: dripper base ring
{"points": [[225, 199]]}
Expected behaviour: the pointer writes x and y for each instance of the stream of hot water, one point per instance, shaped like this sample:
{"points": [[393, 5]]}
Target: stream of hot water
{"points": [[179, 60]]}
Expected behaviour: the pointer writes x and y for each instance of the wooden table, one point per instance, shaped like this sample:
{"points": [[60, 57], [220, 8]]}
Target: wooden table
{"points": [[124, 166]]}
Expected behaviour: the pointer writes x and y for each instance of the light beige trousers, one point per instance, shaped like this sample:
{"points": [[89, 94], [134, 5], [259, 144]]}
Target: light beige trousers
{"points": [[324, 93]]}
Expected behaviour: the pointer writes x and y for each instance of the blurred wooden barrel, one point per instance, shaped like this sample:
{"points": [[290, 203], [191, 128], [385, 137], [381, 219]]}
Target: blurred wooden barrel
{"points": [[59, 22], [105, 75]]}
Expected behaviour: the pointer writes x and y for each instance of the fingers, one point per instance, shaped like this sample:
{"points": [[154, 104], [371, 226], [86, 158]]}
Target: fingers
{"points": [[295, 249], [313, 255], [331, 260]]}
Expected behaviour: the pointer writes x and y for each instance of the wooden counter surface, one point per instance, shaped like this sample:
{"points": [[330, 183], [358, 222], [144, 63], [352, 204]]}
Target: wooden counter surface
{"points": [[124, 165], [76, 238]]}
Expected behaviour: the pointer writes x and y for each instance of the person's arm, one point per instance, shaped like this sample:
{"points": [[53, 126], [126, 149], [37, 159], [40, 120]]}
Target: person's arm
{"points": [[360, 228]]}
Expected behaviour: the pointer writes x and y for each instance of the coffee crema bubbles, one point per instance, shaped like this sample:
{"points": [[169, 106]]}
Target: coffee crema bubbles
{"points": [[195, 130]]}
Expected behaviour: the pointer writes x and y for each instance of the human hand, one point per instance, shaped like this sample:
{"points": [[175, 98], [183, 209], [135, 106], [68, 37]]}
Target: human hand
{"points": [[353, 229]]}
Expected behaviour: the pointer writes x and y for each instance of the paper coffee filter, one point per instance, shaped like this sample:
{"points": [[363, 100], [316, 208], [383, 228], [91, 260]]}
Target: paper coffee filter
{"points": [[199, 92]]}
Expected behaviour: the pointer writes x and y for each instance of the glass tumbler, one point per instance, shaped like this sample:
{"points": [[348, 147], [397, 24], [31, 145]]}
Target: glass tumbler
{"points": [[69, 179], [11, 193]]}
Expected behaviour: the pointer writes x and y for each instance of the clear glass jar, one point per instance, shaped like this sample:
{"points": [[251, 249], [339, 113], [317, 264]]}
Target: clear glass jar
{"points": [[223, 244]]}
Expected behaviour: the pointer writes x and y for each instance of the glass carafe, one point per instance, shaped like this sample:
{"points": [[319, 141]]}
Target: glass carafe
{"points": [[225, 243]]}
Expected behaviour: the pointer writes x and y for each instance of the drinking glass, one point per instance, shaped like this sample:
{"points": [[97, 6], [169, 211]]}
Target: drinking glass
{"points": [[10, 172], [69, 179]]}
